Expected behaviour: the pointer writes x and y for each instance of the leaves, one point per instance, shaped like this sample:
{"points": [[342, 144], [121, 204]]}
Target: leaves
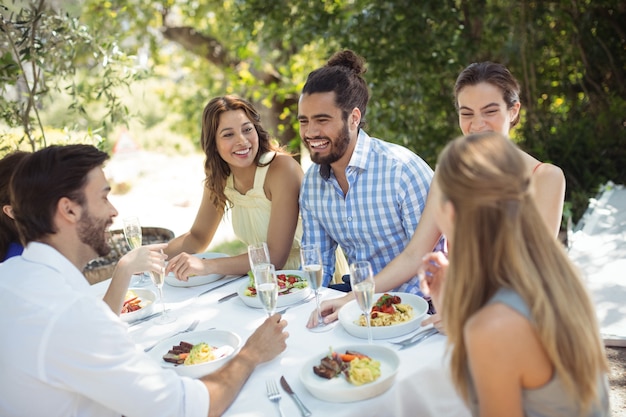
{"points": [[568, 56]]}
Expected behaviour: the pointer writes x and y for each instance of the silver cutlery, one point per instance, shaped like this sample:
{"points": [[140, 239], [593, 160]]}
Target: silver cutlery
{"points": [[303, 410], [141, 320], [303, 301], [419, 339], [413, 336], [273, 394], [227, 297], [191, 327], [221, 285]]}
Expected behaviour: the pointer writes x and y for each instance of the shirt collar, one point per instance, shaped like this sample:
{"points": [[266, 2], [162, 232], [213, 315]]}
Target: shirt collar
{"points": [[44, 254], [358, 158]]}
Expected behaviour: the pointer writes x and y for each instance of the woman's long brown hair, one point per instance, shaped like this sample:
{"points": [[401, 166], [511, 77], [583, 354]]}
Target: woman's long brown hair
{"points": [[215, 168]]}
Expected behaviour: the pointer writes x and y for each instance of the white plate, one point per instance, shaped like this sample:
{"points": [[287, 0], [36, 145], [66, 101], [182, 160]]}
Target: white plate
{"points": [[283, 300], [339, 390], [351, 312], [228, 341], [197, 279], [148, 298]]}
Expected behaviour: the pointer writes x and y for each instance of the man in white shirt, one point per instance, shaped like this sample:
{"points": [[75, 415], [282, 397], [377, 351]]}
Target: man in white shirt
{"points": [[63, 352]]}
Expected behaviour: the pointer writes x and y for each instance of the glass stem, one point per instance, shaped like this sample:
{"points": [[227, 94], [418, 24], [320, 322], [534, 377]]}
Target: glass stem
{"points": [[320, 321], [162, 302], [369, 328]]}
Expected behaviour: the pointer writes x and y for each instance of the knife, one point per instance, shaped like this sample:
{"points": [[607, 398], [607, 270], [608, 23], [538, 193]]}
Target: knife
{"points": [[305, 411], [227, 297], [221, 285], [420, 339], [141, 320]]}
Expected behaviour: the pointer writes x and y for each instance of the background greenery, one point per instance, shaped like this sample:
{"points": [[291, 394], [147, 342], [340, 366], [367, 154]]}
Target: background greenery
{"points": [[153, 65]]}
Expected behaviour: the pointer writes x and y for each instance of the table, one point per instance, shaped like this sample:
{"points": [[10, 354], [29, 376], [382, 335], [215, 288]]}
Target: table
{"points": [[422, 387]]}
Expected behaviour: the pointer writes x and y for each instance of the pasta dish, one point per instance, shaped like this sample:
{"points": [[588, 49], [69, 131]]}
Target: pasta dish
{"points": [[200, 353], [387, 311]]}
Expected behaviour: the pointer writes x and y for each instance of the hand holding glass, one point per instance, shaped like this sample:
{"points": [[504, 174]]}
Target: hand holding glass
{"points": [[362, 282], [266, 285], [311, 258], [132, 233]]}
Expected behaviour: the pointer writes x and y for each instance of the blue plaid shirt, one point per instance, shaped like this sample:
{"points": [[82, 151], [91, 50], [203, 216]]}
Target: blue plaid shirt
{"points": [[388, 186]]}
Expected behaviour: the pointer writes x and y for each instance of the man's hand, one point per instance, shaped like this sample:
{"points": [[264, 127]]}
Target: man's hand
{"points": [[329, 309], [143, 259], [268, 340]]}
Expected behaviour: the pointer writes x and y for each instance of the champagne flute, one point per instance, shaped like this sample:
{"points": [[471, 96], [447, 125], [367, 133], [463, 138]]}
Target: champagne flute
{"points": [[258, 254], [158, 278], [132, 233], [311, 258], [362, 283], [266, 285]]}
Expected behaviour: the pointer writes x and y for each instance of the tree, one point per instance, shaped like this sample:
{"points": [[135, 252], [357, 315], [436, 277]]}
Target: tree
{"points": [[46, 50], [569, 57]]}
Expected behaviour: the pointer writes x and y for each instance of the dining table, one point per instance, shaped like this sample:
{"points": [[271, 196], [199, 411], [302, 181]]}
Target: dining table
{"points": [[422, 386]]}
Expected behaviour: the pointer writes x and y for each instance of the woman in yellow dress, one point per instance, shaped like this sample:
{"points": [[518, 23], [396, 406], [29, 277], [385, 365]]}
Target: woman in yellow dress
{"points": [[253, 181]]}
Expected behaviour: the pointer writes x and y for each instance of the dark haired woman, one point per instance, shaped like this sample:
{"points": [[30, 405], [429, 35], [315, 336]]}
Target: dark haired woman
{"points": [[248, 175]]}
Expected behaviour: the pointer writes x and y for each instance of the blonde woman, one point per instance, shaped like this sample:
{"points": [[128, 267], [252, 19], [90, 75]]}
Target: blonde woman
{"points": [[521, 327]]}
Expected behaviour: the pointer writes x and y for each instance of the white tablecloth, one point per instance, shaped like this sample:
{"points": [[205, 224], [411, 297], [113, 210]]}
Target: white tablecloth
{"points": [[422, 387]]}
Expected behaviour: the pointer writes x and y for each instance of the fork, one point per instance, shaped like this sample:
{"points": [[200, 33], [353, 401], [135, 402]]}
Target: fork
{"points": [[419, 339], [424, 333], [273, 394], [191, 327]]}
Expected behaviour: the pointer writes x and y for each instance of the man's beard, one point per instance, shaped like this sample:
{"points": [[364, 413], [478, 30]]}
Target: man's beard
{"points": [[91, 232], [338, 147]]}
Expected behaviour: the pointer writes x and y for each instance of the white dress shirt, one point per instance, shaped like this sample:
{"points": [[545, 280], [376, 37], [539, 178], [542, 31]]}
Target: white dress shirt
{"points": [[64, 353]]}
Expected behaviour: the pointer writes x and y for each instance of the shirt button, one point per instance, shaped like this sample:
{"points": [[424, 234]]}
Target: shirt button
{"points": [[349, 218]]}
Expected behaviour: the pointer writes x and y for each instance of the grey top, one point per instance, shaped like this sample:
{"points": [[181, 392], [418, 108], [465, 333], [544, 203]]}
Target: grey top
{"points": [[550, 400]]}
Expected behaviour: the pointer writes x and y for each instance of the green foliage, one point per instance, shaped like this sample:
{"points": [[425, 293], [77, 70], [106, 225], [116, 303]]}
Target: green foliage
{"points": [[232, 248], [570, 59], [51, 52]]}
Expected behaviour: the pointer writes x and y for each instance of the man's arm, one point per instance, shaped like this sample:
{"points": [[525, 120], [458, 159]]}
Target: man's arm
{"points": [[263, 345]]}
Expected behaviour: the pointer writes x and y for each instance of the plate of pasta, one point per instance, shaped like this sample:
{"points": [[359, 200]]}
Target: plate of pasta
{"points": [[394, 314], [339, 389], [197, 353]]}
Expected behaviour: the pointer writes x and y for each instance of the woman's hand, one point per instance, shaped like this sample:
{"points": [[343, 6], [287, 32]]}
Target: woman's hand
{"points": [[436, 321], [329, 310], [185, 265], [432, 274]]}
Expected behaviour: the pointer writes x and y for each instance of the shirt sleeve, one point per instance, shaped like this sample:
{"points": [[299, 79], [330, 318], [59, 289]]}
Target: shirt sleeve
{"points": [[415, 178], [88, 351]]}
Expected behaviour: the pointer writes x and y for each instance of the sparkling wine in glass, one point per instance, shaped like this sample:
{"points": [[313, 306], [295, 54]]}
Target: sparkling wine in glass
{"points": [[362, 282], [132, 232], [158, 278], [311, 258], [266, 285], [258, 254]]}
